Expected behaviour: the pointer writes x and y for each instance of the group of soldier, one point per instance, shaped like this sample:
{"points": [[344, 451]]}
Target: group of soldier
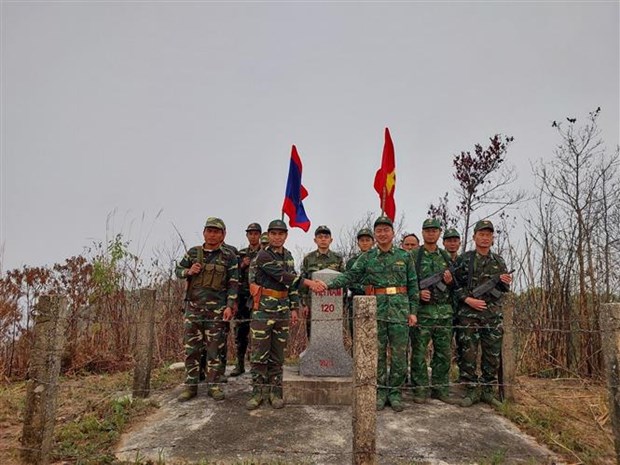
{"points": [[425, 295]]}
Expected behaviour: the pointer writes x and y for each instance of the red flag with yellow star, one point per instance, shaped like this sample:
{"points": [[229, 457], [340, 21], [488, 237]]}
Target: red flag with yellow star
{"points": [[385, 179]]}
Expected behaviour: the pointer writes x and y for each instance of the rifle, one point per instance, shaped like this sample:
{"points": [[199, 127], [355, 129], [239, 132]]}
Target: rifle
{"points": [[436, 281], [187, 284], [489, 287]]}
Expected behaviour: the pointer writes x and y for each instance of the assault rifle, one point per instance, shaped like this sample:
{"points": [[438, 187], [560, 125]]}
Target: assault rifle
{"points": [[436, 281], [489, 287]]}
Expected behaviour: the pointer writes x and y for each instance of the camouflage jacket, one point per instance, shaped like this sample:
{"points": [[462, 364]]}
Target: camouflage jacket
{"points": [[244, 283], [394, 268], [215, 287], [316, 261], [472, 270], [426, 265], [277, 271], [355, 288]]}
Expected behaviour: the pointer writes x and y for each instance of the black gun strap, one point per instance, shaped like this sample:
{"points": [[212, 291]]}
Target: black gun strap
{"points": [[470, 270], [418, 262]]}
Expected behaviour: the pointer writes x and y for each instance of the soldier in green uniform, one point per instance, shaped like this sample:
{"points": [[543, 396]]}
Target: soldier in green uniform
{"points": [[275, 291], [264, 240], [389, 273], [434, 318], [212, 293], [242, 327], [409, 242], [320, 259], [480, 319], [365, 241], [452, 243]]}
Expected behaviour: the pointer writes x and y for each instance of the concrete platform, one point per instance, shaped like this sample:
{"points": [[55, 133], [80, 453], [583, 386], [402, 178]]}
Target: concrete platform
{"points": [[305, 390]]}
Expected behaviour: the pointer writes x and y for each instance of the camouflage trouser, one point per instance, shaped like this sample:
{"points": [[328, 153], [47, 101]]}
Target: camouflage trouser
{"points": [[439, 331], [487, 331], [242, 326], [393, 336], [203, 327], [269, 336]]}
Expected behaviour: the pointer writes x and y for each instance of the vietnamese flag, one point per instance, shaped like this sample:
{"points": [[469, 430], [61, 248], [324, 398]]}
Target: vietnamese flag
{"points": [[385, 179], [294, 195]]}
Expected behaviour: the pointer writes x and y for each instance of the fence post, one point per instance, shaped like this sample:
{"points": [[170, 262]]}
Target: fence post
{"points": [[507, 378], [609, 320], [50, 328], [144, 317], [364, 410]]}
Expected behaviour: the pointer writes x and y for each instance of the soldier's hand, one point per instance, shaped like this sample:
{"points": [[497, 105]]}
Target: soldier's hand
{"points": [[447, 277], [476, 304], [412, 320], [305, 311], [228, 314], [294, 317], [194, 269], [505, 278], [315, 285], [245, 262], [425, 295]]}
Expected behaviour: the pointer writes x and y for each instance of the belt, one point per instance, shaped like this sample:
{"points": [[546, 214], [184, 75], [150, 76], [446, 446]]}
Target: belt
{"points": [[274, 293], [386, 290]]}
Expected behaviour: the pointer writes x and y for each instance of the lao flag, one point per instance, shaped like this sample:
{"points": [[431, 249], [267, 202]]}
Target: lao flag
{"points": [[385, 179], [294, 195]]}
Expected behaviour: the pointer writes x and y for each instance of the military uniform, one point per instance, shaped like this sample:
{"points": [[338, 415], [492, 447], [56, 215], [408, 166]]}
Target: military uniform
{"points": [[275, 273], [434, 324], [209, 293], [242, 326], [479, 327], [316, 261], [394, 282], [355, 289]]}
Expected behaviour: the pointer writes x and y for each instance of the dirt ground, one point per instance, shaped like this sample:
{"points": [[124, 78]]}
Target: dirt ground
{"points": [[569, 416]]}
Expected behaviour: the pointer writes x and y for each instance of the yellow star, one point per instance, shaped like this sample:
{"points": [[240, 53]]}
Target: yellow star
{"points": [[390, 181]]}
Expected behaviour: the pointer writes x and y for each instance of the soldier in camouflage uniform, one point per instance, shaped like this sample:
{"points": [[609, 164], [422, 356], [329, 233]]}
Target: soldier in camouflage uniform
{"points": [[434, 319], [365, 241], [276, 293], [389, 273], [212, 293], [242, 327], [320, 259], [264, 240], [452, 243], [480, 319]]}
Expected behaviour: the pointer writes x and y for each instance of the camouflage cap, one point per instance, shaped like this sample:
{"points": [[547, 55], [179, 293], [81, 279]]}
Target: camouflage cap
{"points": [[431, 223], [254, 227], [264, 238], [484, 224], [365, 232], [451, 232], [213, 222], [322, 230], [383, 220], [277, 224]]}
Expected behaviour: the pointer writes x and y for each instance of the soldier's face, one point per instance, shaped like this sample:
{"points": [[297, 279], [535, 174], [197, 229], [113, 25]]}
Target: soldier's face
{"points": [[431, 235], [323, 240], [452, 244], [253, 237], [410, 243], [384, 234], [365, 243], [483, 238], [213, 236], [277, 237]]}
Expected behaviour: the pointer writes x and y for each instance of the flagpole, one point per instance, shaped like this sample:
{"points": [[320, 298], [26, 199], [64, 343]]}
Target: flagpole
{"points": [[383, 195]]}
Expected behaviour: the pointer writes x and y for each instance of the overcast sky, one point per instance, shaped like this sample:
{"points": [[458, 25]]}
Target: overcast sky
{"points": [[126, 109]]}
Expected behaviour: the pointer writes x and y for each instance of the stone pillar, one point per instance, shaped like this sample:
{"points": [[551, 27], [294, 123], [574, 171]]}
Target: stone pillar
{"points": [[50, 328], [326, 355], [143, 305], [507, 377], [364, 410], [609, 322]]}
